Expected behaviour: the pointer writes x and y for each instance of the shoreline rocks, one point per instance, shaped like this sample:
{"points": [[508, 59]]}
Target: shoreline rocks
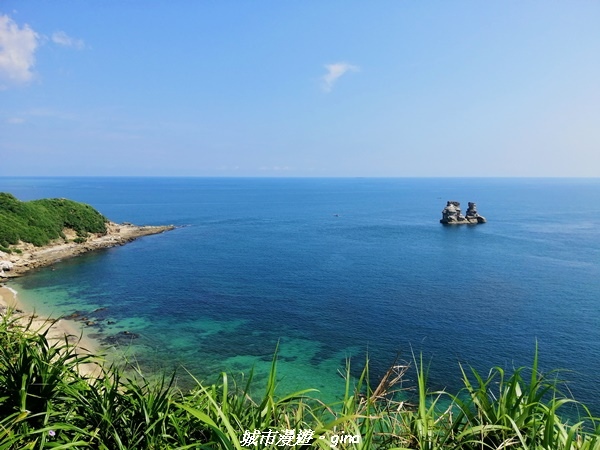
{"points": [[451, 214], [5, 265], [29, 257]]}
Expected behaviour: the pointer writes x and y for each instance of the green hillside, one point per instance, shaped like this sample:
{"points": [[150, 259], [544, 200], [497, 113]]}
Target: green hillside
{"points": [[40, 221]]}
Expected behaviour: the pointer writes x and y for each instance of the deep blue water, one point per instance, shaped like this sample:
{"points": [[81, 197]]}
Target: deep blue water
{"points": [[336, 268]]}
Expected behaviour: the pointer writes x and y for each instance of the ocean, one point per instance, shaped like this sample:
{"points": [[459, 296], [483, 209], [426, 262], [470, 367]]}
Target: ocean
{"points": [[330, 270]]}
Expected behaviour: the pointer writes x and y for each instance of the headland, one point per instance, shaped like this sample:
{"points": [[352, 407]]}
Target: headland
{"points": [[27, 256]]}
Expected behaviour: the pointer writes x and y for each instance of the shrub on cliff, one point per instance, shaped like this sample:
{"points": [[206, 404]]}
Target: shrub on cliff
{"points": [[40, 221]]}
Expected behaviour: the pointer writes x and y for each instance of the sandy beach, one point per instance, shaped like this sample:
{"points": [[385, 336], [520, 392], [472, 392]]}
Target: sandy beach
{"points": [[58, 330]]}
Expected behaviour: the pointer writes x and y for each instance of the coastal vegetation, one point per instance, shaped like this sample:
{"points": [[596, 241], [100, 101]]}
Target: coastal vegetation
{"points": [[47, 401], [38, 222]]}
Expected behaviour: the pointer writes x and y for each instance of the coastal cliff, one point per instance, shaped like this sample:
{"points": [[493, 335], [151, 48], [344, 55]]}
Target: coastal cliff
{"points": [[41, 232]]}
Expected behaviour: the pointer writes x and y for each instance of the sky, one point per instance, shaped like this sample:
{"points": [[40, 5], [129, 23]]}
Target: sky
{"points": [[332, 88]]}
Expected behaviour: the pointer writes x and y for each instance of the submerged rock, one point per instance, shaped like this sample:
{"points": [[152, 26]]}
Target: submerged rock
{"points": [[121, 338], [451, 214]]}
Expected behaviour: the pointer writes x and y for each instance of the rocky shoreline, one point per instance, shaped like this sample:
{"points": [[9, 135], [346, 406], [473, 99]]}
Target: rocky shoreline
{"points": [[30, 257]]}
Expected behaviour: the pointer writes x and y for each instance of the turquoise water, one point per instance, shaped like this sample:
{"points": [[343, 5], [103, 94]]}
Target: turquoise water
{"points": [[337, 268]]}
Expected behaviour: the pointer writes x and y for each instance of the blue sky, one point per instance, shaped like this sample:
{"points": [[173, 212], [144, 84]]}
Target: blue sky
{"points": [[290, 88]]}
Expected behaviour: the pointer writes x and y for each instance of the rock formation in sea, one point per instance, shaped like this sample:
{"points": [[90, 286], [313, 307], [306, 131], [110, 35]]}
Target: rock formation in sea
{"points": [[451, 215]]}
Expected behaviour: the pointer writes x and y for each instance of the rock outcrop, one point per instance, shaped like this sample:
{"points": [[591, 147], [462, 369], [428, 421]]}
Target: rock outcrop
{"points": [[4, 264], [451, 215]]}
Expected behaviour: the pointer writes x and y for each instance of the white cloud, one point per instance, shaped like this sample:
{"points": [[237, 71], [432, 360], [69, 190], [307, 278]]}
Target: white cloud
{"points": [[334, 72], [17, 52], [15, 120], [62, 38]]}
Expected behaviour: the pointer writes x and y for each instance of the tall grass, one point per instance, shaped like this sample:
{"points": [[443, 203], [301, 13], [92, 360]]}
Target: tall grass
{"points": [[46, 403]]}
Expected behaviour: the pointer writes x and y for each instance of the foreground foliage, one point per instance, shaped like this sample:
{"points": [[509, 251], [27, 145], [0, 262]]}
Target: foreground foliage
{"points": [[40, 221], [46, 403]]}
